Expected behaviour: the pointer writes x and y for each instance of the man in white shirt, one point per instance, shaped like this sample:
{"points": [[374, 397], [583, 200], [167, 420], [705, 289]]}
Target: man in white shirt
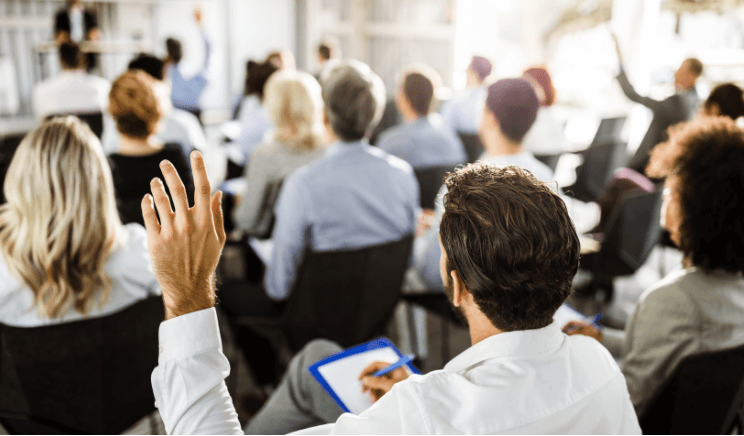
{"points": [[72, 92], [461, 113], [510, 253]]}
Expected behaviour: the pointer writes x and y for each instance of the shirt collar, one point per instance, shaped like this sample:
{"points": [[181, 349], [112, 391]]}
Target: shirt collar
{"points": [[508, 345]]}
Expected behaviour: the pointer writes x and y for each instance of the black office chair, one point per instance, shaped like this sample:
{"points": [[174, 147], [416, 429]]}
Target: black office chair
{"points": [[265, 220], [430, 181], [346, 296], [473, 145], [551, 160], [632, 232], [609, 131], [704, 395], [94, 120], [8, 146], [83, 377], [600, 163]]}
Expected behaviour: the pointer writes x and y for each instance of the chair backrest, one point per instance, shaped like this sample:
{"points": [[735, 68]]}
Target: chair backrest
{"points": [[473, 145], [265, 220], [430, 181], [90, 376], [632, 231], [8, 146], [609, 130], [599, 165], [347, 296], [94, 120], [390, 117], [704, 395]]}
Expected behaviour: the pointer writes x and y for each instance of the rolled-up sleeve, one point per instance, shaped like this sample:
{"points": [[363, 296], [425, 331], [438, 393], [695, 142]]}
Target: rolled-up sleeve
{"points": [[189, 381]]}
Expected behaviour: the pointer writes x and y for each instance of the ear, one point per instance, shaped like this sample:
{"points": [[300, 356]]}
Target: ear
{"points": [[459, 293]]}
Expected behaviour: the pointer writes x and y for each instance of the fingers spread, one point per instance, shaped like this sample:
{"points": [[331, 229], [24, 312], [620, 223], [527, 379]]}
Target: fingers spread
{"points": [[175, 186], [148, 213], [202, 188], [161, 202], [219, 220]]}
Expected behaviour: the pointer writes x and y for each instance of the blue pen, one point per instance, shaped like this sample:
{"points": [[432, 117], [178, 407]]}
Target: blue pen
{"points": [[402, 361], [593, 320]]}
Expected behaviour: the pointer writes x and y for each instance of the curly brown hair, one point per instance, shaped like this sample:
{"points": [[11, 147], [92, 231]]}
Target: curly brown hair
{"points": [[707, 159], [512, 243]]}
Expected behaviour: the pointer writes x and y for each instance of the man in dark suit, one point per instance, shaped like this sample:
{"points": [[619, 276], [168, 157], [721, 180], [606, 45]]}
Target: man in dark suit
{"points": [[672, 110], [76, 24]]}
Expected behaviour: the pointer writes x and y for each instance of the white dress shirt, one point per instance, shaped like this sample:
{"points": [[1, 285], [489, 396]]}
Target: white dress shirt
{"points": [[71, 92], [534, 382], [128, 268]]}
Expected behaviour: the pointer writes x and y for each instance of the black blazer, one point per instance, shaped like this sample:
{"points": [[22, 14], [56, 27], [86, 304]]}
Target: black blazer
{"points": [[62, 21]]}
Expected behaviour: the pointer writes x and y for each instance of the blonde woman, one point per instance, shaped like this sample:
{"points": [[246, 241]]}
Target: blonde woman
{"points": [[294, 103], [137, 110], [64, 254]]}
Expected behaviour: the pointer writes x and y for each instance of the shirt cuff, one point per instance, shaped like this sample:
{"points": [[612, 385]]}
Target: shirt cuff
{"points": [[188, 335]]}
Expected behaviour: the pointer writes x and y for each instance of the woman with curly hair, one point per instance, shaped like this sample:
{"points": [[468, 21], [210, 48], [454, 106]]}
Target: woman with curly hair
{"points": [[700, 307]]}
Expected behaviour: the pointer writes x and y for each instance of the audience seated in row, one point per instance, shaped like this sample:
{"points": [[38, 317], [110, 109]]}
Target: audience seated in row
{"points": [[294, 103], [74, 91], [521, 374], [356, 196], [65, 254], [254, 119], [138, 110], [510, 110], [461, 113], [422, 141], [177, 125], [699, 307], [545, 137]]}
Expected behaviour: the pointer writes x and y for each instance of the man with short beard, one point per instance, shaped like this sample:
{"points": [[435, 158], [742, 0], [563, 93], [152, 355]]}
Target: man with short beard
{"points": [[509, 254]]}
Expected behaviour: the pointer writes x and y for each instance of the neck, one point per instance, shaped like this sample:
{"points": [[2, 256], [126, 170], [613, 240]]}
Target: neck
{"points": [[496, 144], [139, 146], [480, 326], [412, 116]]}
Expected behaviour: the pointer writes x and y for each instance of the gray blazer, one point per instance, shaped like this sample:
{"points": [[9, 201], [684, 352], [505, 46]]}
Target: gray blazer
{"points": [[666, 113]]}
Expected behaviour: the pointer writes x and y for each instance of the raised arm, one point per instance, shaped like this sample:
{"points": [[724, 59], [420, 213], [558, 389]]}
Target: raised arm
{"points": [[625, 85], [185, 247]]}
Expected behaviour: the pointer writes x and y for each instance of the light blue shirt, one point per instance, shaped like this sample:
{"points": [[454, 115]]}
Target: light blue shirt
{"points": [[185, 93], [462, 113], [255, 127], [426, 250], [356, 196], [423, 143]]}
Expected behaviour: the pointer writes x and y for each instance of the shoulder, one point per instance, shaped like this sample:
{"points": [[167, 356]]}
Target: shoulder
{"points": [[393, 135], [131, 259], [671, 295], [396, 164]]}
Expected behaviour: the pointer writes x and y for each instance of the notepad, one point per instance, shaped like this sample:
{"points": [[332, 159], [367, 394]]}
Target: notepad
{"points": [[339, 374], [566, 314]]}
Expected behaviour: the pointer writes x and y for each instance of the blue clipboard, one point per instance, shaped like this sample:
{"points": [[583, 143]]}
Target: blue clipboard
{"points": [[372, 345]]}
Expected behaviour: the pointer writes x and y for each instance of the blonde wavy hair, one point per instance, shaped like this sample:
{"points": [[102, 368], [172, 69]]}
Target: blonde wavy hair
{"points": [[294, 103], [60, 222]]}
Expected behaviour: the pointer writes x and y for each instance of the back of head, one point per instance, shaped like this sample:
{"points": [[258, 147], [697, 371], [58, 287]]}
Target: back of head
{"points": [[514, 103], [354, 98], [540, 80], [60, 222], [325, 51], [293, 101], [729, 99], [174, 50], [481, 67], [510, 240], [329, 48], [418, 86], [257, 75], [694, 66], [70, 56], [134, 104], [150, 64], [705, 160], [284, 59]]}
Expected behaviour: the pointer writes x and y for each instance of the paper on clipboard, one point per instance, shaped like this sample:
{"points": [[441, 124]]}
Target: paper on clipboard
{"points": [[339, 374]]}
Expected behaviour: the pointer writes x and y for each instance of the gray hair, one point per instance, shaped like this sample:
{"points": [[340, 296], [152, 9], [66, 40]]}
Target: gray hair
{"points": [[354, 98]]}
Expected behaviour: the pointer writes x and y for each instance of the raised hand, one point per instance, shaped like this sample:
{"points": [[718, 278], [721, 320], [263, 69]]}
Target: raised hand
{"points": [[186, 245]]}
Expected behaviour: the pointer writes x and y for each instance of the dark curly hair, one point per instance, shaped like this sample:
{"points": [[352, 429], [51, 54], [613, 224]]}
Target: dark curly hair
{"points": [[512, 243], [707, 159]]}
